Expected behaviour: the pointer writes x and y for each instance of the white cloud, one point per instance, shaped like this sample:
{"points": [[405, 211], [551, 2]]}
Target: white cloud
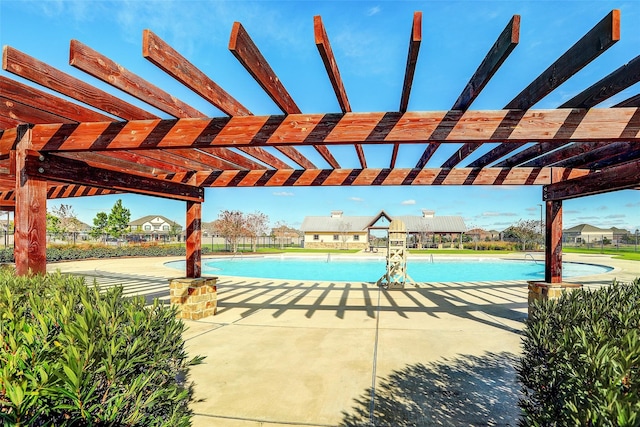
{"points": [[283, 193], [356, 199], [408, 202], [494, 214], [373, 11]]}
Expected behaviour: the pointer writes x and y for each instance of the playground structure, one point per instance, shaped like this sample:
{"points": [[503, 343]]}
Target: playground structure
{"points": [[396, 275]]}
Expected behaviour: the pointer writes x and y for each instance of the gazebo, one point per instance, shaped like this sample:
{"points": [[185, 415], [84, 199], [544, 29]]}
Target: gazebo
{"points": [[87, 141]]}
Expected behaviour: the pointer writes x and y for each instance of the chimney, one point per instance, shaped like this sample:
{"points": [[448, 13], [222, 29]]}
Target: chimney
{"points": [[428, 213], [336, 214]]}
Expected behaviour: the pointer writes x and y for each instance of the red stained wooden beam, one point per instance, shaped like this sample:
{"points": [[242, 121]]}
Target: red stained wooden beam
{"points": [[412, 60], [504, 45], [173, 63], [553, 242], [330, 64], [78, 172], [30, 246], [245, 50], [602, 36], [26, 114], [410, 69], [617, 81], [194, 240], [634, 101], [44, 101], [38, 72], [559, 126], [103, 68], [373, 176], [620, 177], [499, 52]]}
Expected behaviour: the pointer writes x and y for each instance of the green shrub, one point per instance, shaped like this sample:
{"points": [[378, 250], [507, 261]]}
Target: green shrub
{"points": [[71, 355], [581, 359]]}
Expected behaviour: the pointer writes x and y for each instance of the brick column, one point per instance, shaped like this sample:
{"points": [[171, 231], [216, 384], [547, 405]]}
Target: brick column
{"points": [[195, 298]]}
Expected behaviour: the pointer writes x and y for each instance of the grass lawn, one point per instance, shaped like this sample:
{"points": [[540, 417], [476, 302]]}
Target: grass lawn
{"points": [[623, 253]]}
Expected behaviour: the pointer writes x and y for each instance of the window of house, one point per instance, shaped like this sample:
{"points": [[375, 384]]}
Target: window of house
{"points": [[147, 228], [316, 237], [165, 227], [336, 237], [356, 238]]}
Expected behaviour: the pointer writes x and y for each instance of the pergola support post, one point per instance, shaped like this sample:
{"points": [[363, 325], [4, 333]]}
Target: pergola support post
{"points": [[552, 286], [553, 242], [194, 239], [195, 296], [30, 219]]}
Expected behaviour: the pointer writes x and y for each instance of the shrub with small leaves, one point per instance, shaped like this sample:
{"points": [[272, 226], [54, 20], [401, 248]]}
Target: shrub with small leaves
{"points": [[71, 355], [581, 359]]}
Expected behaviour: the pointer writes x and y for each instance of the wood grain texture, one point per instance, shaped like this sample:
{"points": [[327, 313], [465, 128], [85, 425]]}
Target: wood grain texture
{"points": [[374, 176], [619, 177], [595, 42], [194, 240], [30, 220], [173, 63], [617, 81], [553, 242], [99, 66], [44, 101], [412, 60], [248, 54], [78, 172], [245, 50], [330, 64], [559, 126], [43, 74], [499, 52]]}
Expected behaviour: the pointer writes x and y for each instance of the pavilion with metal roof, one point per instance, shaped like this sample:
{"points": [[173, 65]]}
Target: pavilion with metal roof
{"points": [[77, 140]]}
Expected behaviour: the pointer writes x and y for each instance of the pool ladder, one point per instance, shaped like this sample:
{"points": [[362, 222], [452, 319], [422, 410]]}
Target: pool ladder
{"points": [[532, 258]]}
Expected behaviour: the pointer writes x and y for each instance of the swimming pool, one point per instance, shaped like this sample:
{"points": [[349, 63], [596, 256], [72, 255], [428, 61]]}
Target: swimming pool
{"points": [[348, 269]]}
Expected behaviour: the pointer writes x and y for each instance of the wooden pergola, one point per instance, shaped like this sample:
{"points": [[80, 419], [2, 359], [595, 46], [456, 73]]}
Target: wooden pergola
{"points": [[86, 141]]}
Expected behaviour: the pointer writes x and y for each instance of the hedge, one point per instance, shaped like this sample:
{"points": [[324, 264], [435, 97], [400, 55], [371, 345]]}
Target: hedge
{"points": [[71, 355], [66, 253], [581, 359]]}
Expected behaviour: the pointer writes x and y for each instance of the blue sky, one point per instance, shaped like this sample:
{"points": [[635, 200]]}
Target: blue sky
{"points": [[370, 42]]}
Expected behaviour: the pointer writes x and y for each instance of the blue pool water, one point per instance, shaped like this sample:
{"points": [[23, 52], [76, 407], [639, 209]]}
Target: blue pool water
{"points": [[349, 269]]}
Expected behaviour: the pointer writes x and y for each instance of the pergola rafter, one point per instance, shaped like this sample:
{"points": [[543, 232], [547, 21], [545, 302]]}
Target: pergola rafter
{"points": [[77, 140]]}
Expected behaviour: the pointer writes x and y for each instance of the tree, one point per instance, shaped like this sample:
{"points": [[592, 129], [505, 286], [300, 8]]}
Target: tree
{"points": [[67, 220], [231, 225], [344, 228], [280, 231], [256, 225], [100, 225], [53, 224], [525, 231], [118, 220]]}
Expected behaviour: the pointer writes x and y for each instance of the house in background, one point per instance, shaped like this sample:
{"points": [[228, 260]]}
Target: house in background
{"points": [[360, 232], [585, 233], [155, 227]]}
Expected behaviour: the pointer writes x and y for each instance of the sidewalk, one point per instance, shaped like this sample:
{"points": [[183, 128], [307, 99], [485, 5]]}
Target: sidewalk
{"points": [[283, 353]]}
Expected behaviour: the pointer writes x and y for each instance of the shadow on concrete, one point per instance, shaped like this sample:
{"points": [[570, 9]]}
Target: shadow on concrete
{"points": [[466, 391]]}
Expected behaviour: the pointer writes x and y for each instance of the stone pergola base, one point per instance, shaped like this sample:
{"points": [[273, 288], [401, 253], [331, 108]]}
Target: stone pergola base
{"points": [[195, 298], [548, 291]]}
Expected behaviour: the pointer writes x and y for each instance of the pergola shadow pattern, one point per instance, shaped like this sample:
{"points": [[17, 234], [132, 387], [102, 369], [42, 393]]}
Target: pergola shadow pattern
{"points": [[73, 139]]}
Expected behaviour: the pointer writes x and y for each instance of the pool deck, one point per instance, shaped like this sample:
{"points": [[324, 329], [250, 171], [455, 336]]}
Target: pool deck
{"points": [[295, 353]]}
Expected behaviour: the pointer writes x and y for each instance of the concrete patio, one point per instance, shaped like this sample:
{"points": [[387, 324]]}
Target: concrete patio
{"points": [[283, 353]]}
